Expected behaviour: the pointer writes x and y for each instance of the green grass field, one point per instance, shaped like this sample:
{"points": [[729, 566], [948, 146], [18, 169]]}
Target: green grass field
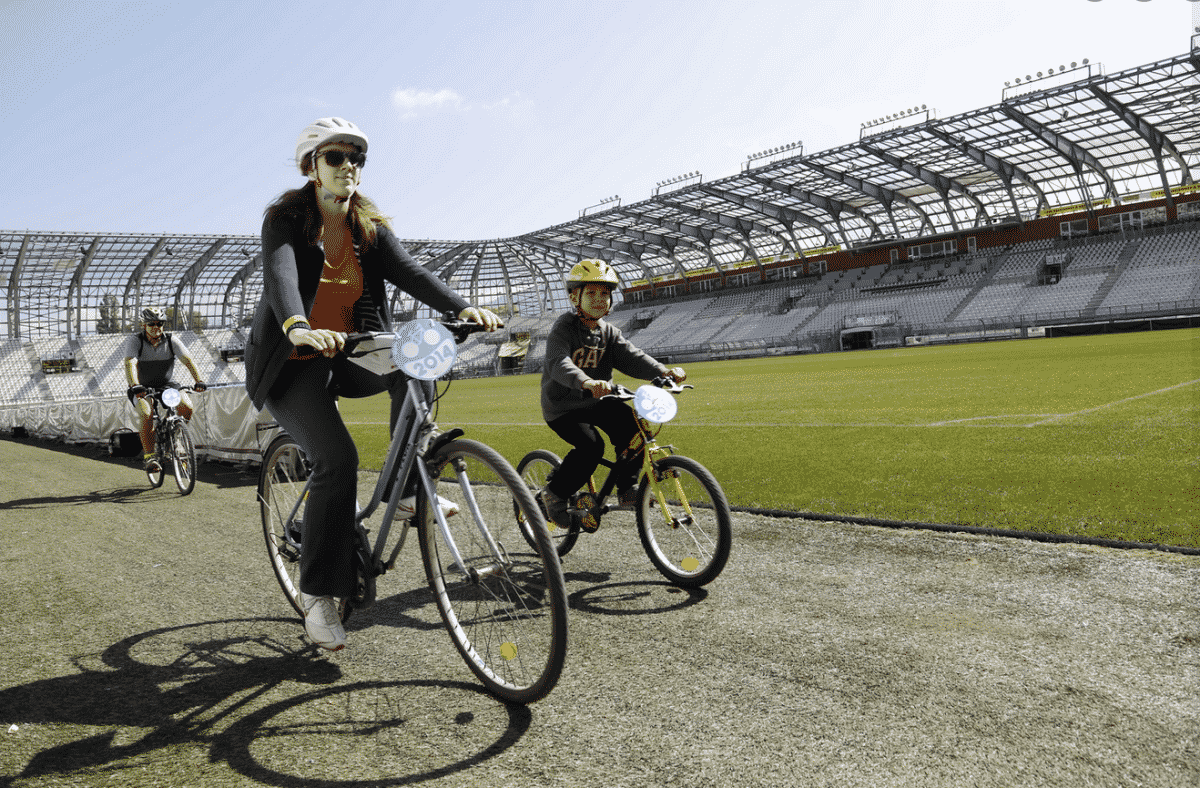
{"points": [[1091, 436]]}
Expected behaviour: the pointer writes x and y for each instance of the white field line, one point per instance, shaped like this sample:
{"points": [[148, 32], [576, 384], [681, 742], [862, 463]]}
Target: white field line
{"points": [[974, 421], [1114, 403]]}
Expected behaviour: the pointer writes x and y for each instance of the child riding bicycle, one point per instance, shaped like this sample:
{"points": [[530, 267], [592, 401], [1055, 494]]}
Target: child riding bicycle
{"points": [[581, 353]]}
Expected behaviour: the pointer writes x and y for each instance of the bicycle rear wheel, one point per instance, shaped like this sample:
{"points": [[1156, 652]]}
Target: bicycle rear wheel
{"points": [[688, 532], [281, 487], [156, 477], [506, 611], [182, 454], [535, 469]]}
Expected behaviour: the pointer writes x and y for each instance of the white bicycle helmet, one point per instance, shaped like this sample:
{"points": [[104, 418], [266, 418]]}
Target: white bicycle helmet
{"points": [[153, 314], [324, 131]]}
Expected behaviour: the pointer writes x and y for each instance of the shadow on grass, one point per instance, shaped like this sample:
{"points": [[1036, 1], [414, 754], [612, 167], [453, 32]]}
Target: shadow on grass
{"points": [[246, 691], [631, 598], [114, 495], [213, 472]]}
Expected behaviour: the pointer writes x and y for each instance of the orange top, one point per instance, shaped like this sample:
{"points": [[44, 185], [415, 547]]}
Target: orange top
{"points": [[333, 308]]}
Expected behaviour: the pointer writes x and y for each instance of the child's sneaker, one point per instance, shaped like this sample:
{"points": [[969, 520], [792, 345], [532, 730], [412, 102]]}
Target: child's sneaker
{"points": [[556, 508]]}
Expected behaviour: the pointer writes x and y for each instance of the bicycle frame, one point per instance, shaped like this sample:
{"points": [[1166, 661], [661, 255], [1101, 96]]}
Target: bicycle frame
{"points": [[651, 452], [416, 436]]}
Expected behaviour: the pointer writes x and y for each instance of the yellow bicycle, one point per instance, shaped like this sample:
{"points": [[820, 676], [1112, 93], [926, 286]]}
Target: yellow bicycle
{"points": [[683, 517]]}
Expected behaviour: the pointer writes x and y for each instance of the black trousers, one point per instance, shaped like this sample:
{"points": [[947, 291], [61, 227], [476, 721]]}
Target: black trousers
{"points": [[579, 428], [304, 402]]}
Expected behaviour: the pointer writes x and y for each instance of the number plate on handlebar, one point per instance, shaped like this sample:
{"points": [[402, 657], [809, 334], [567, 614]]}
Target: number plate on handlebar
{"points": [[654, 404], [171, 397], [424, 349]]}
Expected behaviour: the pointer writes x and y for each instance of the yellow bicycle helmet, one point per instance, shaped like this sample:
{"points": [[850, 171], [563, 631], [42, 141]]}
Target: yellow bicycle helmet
{"points": [[589, 271]]}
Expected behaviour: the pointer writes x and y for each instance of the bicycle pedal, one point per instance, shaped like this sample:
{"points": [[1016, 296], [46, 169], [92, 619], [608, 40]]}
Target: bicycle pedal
{"points": [[588, 522]]}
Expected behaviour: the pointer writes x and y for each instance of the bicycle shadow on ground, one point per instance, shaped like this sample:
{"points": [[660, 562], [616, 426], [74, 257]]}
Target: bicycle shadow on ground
{"points": [[212, 472], [630, 598], [413, 609], [219, 683], [124, 495]]}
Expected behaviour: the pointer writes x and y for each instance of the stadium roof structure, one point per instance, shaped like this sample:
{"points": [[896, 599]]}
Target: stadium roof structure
{"points": [[1101, 139]]}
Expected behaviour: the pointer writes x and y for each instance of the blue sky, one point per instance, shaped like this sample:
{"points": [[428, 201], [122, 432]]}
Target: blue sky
{"points": [[493, 118]]}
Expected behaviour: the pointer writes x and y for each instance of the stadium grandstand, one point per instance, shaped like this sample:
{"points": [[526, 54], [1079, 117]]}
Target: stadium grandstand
{"points": [[1068, 206]]}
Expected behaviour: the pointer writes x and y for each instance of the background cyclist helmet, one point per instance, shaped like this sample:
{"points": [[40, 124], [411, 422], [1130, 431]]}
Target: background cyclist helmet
{"points": [[322, 132], [153, 314]]}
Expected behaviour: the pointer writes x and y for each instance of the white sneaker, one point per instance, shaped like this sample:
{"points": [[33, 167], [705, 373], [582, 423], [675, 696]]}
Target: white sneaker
{"points": [[322, 621], [408, 507]]}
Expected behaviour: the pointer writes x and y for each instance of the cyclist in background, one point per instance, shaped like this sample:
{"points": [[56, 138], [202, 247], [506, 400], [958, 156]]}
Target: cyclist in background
{"points": [[327, 253], [581, 353], [149, 361]]}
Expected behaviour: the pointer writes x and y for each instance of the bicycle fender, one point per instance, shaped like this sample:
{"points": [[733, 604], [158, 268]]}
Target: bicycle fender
{"points": [[442, 440]]}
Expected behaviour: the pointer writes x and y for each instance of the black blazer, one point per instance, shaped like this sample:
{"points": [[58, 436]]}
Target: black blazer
{"points": [[291, 273]]}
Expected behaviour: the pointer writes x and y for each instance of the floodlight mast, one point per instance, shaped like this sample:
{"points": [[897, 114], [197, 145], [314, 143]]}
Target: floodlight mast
{"points": [[1022, 85], [774, 154], [605, 204], [686, 177], [895, 120]]}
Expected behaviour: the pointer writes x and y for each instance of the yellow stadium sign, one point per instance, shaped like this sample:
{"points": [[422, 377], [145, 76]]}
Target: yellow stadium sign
{"points": [[1074, 208]]}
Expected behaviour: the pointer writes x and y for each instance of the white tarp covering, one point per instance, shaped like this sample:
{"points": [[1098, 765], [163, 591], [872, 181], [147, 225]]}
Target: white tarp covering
{"points": [[225, 424]]}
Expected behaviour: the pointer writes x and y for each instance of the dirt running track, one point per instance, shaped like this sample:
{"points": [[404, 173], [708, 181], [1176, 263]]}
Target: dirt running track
{"points": [[146, 643]]}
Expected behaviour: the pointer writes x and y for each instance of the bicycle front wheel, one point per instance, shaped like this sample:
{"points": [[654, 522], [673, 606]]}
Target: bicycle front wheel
{"points": [[182, 454], [506, 610], [684, 522]]}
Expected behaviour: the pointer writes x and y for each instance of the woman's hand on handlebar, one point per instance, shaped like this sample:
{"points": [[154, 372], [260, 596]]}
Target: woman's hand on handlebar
{"points": [[484, 317], [319, 339]]}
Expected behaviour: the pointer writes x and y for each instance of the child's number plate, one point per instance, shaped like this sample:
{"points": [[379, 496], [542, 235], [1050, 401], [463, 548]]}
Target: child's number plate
{"points": [[424, 349], [654, 404]]}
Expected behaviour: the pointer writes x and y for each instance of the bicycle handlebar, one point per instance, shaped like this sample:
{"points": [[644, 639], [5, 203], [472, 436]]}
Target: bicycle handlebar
{"points": [[160, 389], [459, 329], [663, 382]]}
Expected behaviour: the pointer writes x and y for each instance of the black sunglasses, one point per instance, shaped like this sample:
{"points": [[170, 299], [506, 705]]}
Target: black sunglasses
{"points": [[334, 158], [155, 323]]}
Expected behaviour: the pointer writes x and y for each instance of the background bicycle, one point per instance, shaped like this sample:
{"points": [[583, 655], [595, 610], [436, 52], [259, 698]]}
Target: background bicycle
{"points": [[173, 445], [505, 608], [683, 516]]}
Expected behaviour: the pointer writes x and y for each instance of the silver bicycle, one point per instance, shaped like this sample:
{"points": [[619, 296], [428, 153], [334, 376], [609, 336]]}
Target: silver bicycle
{"points": [[501, 597]]}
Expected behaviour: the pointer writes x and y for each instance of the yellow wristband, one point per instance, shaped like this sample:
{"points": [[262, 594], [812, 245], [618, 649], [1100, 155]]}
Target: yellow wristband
{"points": [[291, 321]]}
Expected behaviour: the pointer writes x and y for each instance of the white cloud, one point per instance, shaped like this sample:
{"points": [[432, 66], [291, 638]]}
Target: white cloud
{"points": [[412, 102]]}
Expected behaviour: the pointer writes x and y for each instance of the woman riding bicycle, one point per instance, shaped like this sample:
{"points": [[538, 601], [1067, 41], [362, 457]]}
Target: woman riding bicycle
{"points": [[149, 361], [327, 251], [581, 353]]}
